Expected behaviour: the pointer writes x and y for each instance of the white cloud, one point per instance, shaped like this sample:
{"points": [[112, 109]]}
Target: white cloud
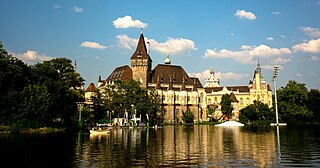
{"points": [[172, 45], [127, 22], [56, 6], [269, 38], [311, 32], [314, 58], [242, 14], [31, 57], [77, 9], [270, 67], [231, 75], [280, 60], [222, 76], [247, 53], [126, 42], [275, 13], [299, 75], [312, 46], [90, 44]]}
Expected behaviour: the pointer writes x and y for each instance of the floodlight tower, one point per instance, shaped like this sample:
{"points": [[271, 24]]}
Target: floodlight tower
{"points": [[275, 75]]}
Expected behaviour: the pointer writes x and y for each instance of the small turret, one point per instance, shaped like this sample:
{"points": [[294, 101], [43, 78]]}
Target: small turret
{"points": [[167, 61]]}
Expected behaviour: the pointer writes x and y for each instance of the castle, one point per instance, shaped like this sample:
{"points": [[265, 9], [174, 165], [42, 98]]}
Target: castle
{"points": [[179, 92]]}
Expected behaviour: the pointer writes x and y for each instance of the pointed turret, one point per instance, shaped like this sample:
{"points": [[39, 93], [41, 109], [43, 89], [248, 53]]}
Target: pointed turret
{"points": [[141, 63], [75, 65], [141, 50]]}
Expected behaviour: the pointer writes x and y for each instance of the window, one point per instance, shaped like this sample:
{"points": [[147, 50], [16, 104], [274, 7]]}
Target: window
{"points": [[215, 100], [241, 101], [248, 100], [201, 98], [209, 101]]}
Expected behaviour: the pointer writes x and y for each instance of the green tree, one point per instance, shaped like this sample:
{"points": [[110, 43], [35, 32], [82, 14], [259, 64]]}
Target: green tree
{"points": [[187, 116], [62, 84], [256, 112], [14, 76], [122, 94], [226, 107], [211, 111], [313, 103], [292, 101]]}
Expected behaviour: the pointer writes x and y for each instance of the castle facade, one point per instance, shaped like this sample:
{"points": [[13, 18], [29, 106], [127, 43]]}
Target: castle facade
{"points": [[179, 92]]}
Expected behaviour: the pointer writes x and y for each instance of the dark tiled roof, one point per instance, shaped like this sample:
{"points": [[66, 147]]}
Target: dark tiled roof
{"points": [[165, 72], [197, 82], [91, 88], [230, 88], [141, 50], [269, 88], [123, 73], [233, 97]]}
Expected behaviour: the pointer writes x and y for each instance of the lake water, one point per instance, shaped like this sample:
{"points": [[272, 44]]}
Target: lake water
{"points": [[170, 146]]}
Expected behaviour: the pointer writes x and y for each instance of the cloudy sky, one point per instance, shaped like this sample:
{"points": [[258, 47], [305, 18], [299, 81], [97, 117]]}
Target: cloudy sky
{"points": [[228, 35]]}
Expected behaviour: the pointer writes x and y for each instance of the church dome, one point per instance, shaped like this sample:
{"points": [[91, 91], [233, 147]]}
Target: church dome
{"points": [[167, 60]]}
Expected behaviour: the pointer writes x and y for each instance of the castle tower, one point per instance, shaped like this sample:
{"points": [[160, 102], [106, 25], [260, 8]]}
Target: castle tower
{"points": [[257, 76], [141, 63], [212, 81]]}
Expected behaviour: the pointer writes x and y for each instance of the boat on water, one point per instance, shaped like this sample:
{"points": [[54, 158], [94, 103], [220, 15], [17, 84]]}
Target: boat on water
{"points": [[99, 132]]}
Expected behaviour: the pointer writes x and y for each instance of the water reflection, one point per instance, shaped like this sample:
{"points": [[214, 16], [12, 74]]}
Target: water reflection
{"points": [[179, 146], [170, 146]]}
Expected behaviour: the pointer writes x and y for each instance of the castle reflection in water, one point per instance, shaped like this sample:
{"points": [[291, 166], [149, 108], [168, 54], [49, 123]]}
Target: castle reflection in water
{"points": [[171, 145]]}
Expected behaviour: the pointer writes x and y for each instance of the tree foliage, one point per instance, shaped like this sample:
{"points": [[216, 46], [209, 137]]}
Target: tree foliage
{"points": [[187, 116], [257, 111], [226, 107], [43, 93], [292, 103], [127, 95]]}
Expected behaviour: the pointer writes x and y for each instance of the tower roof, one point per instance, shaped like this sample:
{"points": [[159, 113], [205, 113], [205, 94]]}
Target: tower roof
{"points": [[141, 50], [91, 88]]}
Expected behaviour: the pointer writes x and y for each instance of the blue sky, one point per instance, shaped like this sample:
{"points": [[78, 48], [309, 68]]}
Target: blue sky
{"points": [[229, 36]]}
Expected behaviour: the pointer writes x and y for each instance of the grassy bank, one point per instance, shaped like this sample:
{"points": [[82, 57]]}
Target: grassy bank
{"points": [[7, 129]]}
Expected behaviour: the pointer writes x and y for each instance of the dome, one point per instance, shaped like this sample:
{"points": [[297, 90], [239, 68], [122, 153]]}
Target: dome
{"points": [[167, 60]]}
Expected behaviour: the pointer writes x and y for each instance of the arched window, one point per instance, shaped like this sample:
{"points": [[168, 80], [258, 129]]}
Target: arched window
{"points": [[248, 100], [209, 101], [215, 100], [241, 101]]}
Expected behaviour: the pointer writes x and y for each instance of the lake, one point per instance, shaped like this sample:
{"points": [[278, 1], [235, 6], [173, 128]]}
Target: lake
{"points": [[169, 146]]}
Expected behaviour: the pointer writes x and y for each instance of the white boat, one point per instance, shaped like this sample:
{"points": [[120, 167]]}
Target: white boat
{"points": [[99, 132], [230, 124]]}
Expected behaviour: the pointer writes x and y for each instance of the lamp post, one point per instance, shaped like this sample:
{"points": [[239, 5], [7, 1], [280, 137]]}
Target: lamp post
{"points": [[80, 105], [275, 75]]}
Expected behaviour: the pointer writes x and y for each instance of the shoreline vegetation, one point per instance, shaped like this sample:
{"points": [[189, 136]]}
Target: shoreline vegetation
{"points": [[257, 124]]}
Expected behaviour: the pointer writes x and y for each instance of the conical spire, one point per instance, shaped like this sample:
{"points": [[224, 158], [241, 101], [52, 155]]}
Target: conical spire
{"points": [[141, 50], [258, 69]]}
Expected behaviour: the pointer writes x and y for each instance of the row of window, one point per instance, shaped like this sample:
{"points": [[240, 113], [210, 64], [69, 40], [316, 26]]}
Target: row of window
{"points": [[216, 101]]}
